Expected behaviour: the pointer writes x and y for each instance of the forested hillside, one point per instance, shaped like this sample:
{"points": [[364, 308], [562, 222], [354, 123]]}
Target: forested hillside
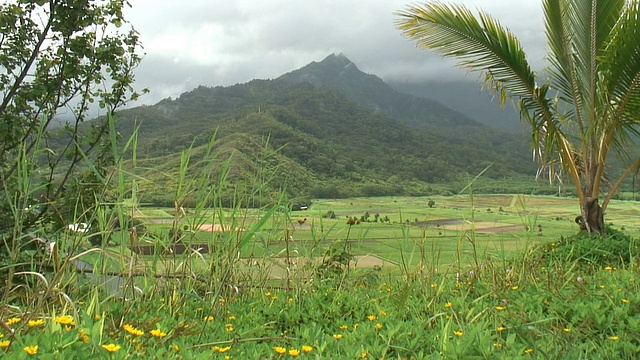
{"points": [[327, 130]]}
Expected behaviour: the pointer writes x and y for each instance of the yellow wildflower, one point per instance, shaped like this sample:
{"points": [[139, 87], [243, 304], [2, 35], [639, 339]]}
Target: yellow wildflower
{"points": [[65, 320], [307, 348], [175, 347], [364, 355], [221, 349], [279, 349], [34, 323], [83, 336], [132, 330], [157, 333], [13, 320], [5, 344], [383, 313], [371, 317], [343, 327], [528, 351], [500, 308], [111, 347], [458, 333], [229, 327], [378, 326], [267, 294], [567, 330], [614, 338], [448, 305], [231, 318], [625, 301], [337, 336], [208, 318], [500, 328], [294, 352], [515, 287], [31, 350], [433, 286]]}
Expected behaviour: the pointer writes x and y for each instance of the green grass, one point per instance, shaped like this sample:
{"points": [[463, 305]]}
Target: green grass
{"points": [[279, 289]]}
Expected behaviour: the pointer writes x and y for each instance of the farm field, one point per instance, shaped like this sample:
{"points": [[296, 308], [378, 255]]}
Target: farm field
{"points": [[388, 232], [433, 278]]}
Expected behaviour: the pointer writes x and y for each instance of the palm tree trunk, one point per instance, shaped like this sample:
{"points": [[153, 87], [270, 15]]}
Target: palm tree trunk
{"points": [[592, 218]]}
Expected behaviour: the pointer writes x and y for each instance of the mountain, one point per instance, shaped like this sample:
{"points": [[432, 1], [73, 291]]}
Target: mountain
{"points": [[339, 73], [325, 130], [468, 98]]}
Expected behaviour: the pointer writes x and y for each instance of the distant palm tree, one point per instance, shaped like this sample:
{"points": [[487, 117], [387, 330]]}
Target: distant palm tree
{"points": [[589, 106]]}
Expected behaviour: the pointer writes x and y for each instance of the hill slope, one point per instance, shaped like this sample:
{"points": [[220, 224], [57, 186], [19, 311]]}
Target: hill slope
{"points": [[328, 130]]}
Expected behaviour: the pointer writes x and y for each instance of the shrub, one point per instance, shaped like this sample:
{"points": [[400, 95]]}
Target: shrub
{"points": [[614, 249]]}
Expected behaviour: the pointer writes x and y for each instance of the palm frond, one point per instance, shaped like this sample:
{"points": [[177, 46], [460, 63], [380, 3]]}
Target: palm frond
{"points": [[480, 44]]}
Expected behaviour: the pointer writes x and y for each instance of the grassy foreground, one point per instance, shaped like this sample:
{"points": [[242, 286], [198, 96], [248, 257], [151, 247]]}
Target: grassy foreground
{"points": [[555, 300]]}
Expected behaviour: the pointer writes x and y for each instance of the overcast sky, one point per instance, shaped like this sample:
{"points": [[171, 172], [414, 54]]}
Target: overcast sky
{"points": [[224, 42]]}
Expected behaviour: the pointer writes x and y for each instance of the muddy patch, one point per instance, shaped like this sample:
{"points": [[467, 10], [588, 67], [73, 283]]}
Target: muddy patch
{"points": [[463, 225]]}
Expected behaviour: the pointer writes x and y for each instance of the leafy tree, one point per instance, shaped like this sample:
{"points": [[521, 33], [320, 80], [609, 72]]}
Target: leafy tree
{"points": [[58, 57], [588, 107]]}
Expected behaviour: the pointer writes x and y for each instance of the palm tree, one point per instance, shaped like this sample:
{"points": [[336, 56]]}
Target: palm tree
{"points": [[588, 107]]}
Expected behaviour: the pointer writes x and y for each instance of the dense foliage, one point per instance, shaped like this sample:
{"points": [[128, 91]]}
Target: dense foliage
{"points": [[57, 58]]}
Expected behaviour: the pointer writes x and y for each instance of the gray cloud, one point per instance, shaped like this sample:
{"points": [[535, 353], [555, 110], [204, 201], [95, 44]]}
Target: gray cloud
{"points": [[203, 42]]}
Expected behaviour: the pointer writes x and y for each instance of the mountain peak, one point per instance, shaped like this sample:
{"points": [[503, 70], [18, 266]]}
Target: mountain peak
{"points": [[339, 59], [339, 73]]}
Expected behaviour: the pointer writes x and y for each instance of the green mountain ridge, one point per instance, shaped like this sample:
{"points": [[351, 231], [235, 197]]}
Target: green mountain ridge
{"points": [[325, 130]]}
